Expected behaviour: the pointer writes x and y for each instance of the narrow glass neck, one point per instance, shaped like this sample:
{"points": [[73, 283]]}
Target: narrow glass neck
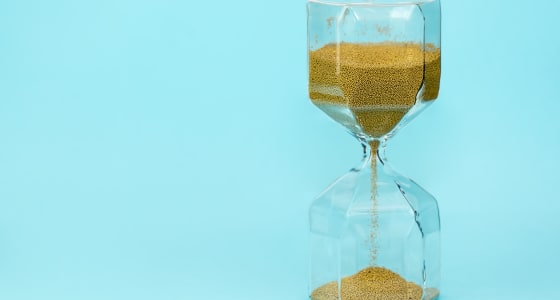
{"points": [[374, 152]]}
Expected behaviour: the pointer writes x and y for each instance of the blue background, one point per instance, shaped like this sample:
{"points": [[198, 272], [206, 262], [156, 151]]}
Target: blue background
{"points": [[167, 150]]}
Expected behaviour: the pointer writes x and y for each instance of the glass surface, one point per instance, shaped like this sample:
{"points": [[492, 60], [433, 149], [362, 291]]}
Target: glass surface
{"points": [[373, 66]]}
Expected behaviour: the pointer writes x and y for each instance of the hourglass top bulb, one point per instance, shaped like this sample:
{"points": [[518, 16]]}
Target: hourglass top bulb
{"points": [[371, 63]]}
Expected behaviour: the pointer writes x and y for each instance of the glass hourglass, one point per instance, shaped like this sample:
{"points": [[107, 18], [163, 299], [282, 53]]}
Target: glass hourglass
{"points": [[373, 66]]}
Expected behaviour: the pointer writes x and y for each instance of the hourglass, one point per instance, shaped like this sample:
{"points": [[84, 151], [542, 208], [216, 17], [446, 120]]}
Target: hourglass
{"points": [[373, 66]]}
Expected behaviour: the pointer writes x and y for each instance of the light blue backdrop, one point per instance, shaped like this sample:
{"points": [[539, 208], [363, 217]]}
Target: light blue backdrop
{"points": [[167, 150]]}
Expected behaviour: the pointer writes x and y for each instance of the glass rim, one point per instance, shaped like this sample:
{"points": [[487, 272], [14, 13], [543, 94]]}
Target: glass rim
{"points": [[370, 2]]}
